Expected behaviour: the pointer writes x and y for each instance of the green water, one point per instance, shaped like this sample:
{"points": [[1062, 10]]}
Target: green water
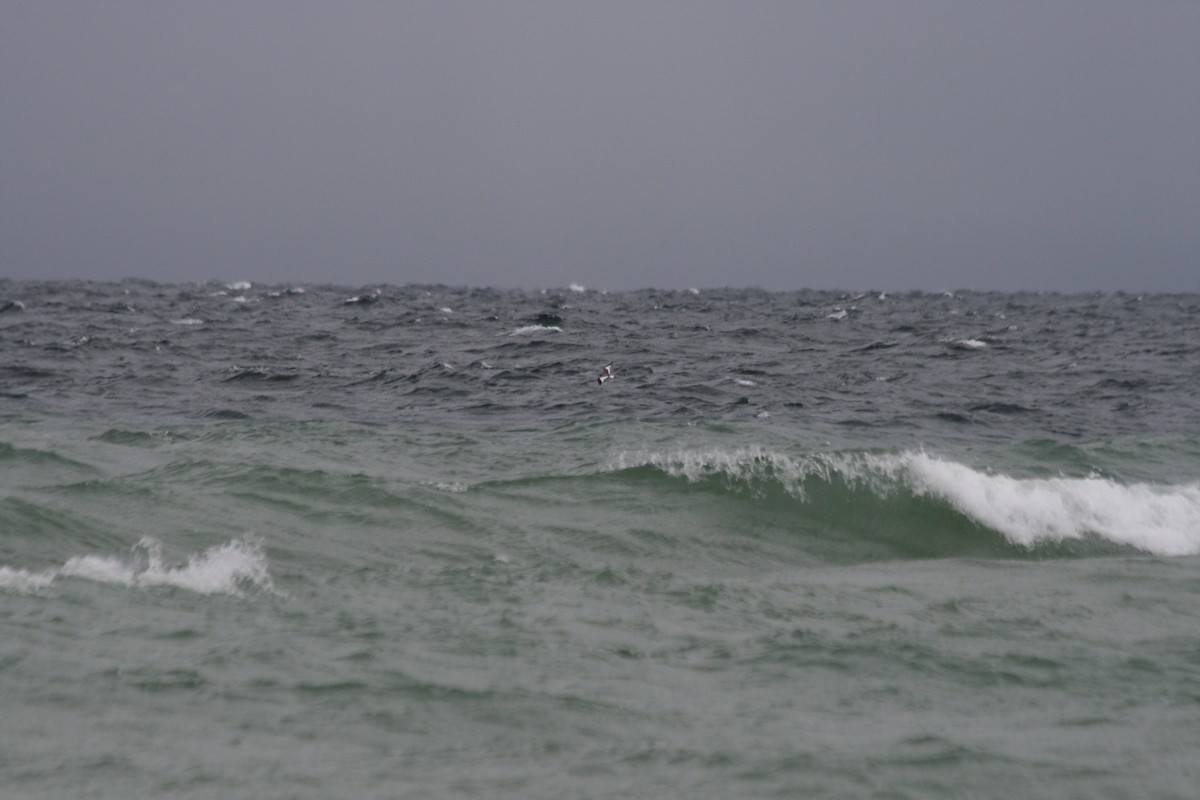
{"points": [[422, 556]]}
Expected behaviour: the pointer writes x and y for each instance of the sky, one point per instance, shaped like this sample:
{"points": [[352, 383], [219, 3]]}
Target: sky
{"points": [[617, 145]]}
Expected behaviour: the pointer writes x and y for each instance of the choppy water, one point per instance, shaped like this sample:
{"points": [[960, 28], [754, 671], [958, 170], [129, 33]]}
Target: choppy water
{"points": [[312, 542]]}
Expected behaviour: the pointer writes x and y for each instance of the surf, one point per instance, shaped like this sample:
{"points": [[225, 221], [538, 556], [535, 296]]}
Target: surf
{"points": [[918, 490], [231, 568]]}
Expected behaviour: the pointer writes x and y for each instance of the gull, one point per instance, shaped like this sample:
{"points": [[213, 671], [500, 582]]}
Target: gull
{"points": [[605, 374]]}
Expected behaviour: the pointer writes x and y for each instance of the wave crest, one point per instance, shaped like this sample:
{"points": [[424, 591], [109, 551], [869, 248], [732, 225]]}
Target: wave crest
{"points": [[1160, 519], [225, 569], [1163, 519]]}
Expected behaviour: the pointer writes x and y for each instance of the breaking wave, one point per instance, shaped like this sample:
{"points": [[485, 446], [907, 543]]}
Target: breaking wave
{"points": [[1163, 519], [229, 568]]}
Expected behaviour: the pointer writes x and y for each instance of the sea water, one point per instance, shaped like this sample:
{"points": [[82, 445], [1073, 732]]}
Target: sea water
{"points": [[376, 542]]}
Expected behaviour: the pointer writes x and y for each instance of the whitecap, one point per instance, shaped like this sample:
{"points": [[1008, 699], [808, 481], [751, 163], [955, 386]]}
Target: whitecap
{"points": [[838, 314], [1160, 519], [576, 287], [364, 298], [528, 329], [23, 581], [450, 487], [1163, 519], [225, 569], [744, 382], [187, 321], [238, 286]]}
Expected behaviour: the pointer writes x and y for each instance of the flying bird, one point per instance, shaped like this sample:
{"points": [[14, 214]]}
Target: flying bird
{"points": [[605, 374]]}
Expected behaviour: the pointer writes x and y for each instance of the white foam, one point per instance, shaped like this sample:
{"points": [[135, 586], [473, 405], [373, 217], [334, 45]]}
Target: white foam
{"points": [[970, 344], [1160, 519], [238, 286], [225, 569], [187, 321], [744, 382], [839, 314], [1163, 519], [528, 329], [451, 487], [364, 298], [22, 580], [102, 569], [576, 287]]}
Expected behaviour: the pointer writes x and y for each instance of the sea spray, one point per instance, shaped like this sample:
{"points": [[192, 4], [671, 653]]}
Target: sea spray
{"points": [[228, 568], [1164, 520], [1159, 519]]}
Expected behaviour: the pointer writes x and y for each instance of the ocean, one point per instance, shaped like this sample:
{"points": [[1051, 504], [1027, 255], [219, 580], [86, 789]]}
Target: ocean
{"points": [[400, 542]]}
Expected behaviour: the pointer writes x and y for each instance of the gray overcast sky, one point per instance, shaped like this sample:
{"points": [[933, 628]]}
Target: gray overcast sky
{"points": [[887, 145]]}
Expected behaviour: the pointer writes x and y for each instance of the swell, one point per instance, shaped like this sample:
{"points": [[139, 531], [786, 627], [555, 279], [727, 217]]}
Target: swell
{"points": [[715, 502], [26, 459], [927, 495], [904, 504]]}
